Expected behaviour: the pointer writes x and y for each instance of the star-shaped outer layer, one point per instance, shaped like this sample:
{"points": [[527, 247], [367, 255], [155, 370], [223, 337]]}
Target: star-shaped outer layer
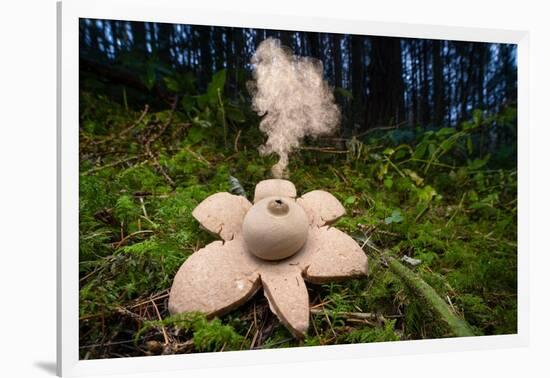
{"points": [[224, 275]]}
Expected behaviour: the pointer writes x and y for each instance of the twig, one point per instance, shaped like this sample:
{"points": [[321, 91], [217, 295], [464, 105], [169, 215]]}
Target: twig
{"points": [[245, 336], [380, 128], [180, 347], [162, 295], [421, 214], [222, 107], [236, 144], [166, 339], [350, 315], [323, 312], [328, 150], [389, 233], [140, 119], [107, 344], [488, 237], [451, 304], [123, 240], [456, 211], [314, 325], [89, 274], [115, 163], [320, 304], [126, 130], [339, 175], [153, 138], [368, 131], [275, 343], [133, 315], [198, 156], [143, 207], [254, 338]]}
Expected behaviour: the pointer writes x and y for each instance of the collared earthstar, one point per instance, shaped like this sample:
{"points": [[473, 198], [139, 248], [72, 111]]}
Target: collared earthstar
{"points": [[276, 243]]}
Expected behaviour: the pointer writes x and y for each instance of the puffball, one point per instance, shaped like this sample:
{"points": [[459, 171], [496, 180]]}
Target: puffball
{"points": [[275, 228]]}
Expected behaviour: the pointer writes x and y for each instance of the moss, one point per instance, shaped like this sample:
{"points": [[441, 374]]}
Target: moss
{"points": [[459, 217], [373, 334]]}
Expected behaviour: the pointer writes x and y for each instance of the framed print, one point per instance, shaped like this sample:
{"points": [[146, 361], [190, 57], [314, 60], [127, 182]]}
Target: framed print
{"points": [[272, 188]]}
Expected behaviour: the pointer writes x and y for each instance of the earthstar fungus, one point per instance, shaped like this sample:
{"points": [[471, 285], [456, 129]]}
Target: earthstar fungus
{"points": [[277, 243]]}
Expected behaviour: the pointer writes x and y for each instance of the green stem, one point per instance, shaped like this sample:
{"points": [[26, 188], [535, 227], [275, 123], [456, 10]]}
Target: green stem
{"points": [[124, 98], [223, 117], [395, 167], [456, 325]]}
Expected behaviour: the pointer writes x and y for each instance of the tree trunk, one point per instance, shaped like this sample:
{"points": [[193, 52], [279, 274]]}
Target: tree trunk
{"points": [[357, 79], [94, 36], [240, 54], [437, 71], [164, 43], [414, 75], [509, 73], [138, 34], [337, 59], [425, 101], [313, 41], [219, 53], [286, 39], [206, 53], [385, 101]]}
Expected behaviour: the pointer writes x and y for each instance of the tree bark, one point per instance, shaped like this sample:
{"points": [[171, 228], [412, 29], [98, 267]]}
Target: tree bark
{"points": [[414, 75], [138, 34], [286, 39], [425, 100], [357, 79], [313, 41], [205, 52], [439, 100], [337, 59], [385, 101], [219, 51], [164, 43]]}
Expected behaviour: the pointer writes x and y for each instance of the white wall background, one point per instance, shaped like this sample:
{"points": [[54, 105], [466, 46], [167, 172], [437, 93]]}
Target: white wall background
{"points": [[27, 187]]}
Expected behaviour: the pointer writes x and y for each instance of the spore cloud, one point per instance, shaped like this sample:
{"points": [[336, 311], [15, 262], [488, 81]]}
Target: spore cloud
{"points": [[292, 98]]}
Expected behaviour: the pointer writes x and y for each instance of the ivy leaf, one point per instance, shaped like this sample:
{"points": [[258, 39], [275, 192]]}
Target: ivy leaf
{"points": [[478, 163], [447, 144], [388, 151], [431, 149], [426, 194], [395, 217], [420, 150], [350, 200], [216, 85], [446, 131], [414, 176]]}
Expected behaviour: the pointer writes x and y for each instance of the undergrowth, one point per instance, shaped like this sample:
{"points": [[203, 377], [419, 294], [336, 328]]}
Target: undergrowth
{"points": [[441, 197]]}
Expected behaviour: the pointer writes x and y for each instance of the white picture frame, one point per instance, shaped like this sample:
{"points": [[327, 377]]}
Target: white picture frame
{"points": [[69, 12]]}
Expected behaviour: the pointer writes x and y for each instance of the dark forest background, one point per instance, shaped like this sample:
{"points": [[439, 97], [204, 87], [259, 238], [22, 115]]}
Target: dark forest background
{"points": [[425, 164], [379, 81]]}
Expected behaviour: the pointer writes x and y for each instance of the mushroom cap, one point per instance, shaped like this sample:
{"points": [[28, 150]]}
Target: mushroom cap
{"points": [[275, 228]]}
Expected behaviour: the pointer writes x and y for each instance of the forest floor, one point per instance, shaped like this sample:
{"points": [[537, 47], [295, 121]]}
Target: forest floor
{"points": [[433, 203]]}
